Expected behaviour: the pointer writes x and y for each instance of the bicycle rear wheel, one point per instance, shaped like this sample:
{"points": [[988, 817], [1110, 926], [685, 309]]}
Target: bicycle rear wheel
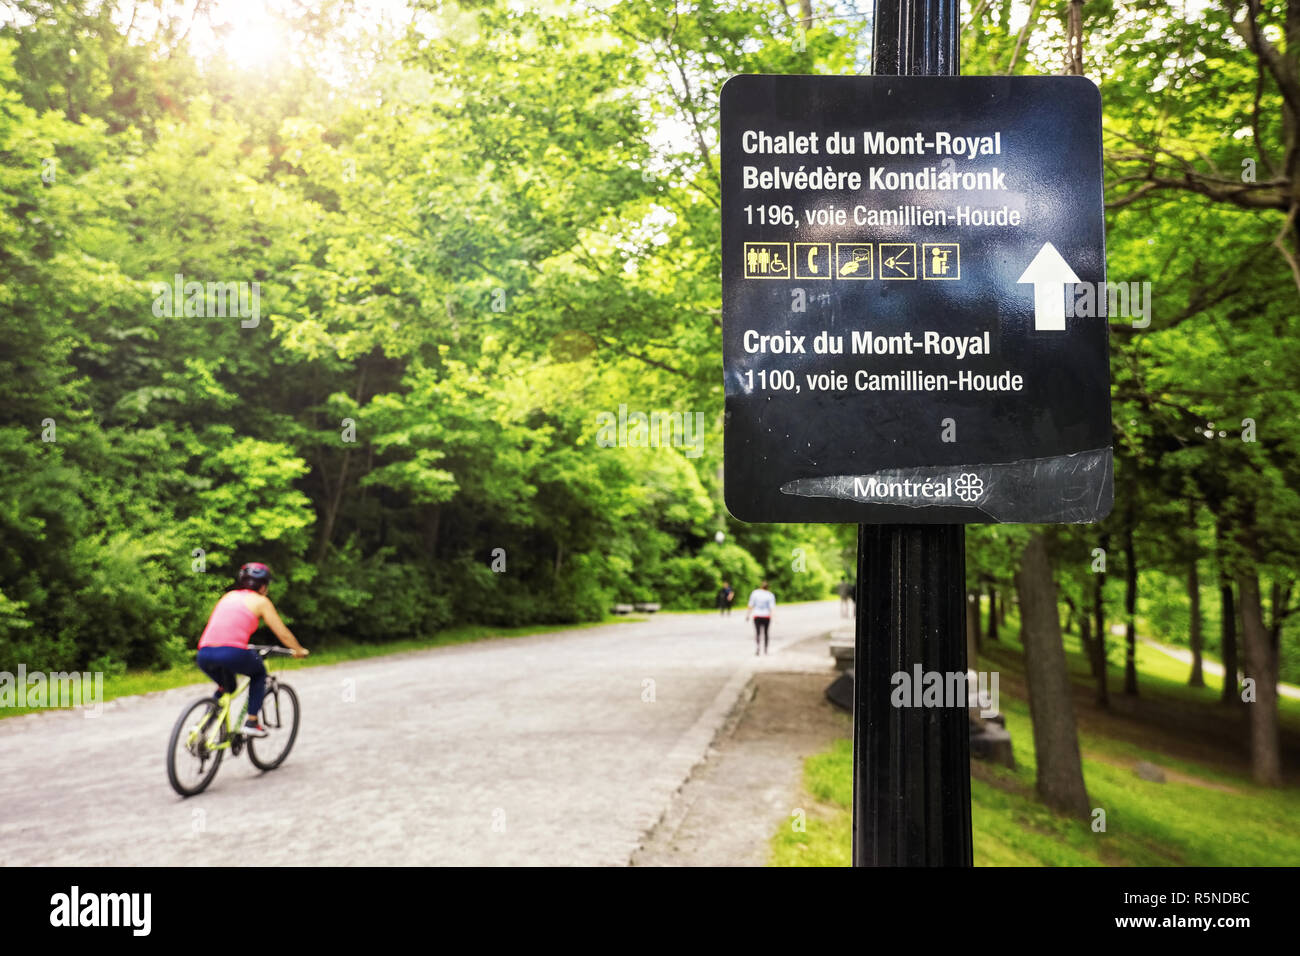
{"points": [[280, 718], [191, 763]]}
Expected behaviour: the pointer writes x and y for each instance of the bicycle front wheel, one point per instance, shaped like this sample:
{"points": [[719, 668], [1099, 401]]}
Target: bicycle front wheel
{"points": [[280, 718], [191, 763]]}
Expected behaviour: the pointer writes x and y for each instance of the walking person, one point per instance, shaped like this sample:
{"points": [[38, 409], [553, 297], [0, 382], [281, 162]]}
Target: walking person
{"points": [[762, 603], [846, 589], [726, 598]]}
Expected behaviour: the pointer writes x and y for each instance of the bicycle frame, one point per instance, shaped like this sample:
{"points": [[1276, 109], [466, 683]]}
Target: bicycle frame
{"points": [[227, 714], [236, 716], [220, 729], [224, 717]]}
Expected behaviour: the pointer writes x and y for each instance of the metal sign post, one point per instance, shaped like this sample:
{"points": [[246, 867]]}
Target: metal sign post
{"points": [[911, 765]]}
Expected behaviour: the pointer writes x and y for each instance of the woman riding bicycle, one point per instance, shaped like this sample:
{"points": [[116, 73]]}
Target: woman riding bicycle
{"points": [[223, 647]]}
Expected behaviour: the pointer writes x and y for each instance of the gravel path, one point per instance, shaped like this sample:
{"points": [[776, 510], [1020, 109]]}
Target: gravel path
{"points": [[751, 783], [537, 750]]}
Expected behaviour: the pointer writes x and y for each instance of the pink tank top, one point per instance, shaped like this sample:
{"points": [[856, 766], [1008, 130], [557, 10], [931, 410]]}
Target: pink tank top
{"points": [[231, 623]]}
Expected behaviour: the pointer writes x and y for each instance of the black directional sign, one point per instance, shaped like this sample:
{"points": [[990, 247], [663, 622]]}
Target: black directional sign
{"points": [[913, 300]]}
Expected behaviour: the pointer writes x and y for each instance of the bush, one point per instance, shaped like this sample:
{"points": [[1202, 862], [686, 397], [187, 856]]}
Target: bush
{"points": [[693, 581], [374, 599]]}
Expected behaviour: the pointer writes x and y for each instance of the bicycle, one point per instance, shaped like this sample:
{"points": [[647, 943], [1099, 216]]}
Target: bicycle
{"points": [[209, 727]]}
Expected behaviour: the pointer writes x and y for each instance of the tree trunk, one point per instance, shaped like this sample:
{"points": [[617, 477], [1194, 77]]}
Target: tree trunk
{"points": [[1085, 637], [335, 496], [1002, 611], [1099, 665], [993, 613], [1265, 756], [1051, 705], [1194, 624], [1228, 638], [1074, 39], [1228, 612], [1130, 612], [326, 533], [1281, 598], [432, 528]]}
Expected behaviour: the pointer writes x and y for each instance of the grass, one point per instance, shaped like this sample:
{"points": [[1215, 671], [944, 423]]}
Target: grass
{"points": [[1208, 813], [150, 681], [828, 838], [1159, 675]]}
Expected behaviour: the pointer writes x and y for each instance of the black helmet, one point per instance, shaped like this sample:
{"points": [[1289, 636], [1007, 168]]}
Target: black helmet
{"points": [[253, 575]]}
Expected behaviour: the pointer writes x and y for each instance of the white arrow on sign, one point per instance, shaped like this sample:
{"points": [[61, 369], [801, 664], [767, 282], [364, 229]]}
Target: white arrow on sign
{"points": [[1049, 274]]}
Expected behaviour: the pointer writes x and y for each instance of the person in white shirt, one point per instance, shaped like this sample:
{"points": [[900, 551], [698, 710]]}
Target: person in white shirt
{"points": [[762, 603]]}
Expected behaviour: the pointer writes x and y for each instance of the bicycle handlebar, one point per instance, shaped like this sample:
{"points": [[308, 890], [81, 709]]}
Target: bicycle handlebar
{"points": [[265, 649]]}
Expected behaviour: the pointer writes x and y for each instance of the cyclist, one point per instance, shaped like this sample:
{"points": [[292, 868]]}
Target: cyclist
{"points": [[223, 647]]}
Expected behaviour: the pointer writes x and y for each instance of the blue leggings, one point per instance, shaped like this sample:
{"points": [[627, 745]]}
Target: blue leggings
{"points": [[223, 663]]}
